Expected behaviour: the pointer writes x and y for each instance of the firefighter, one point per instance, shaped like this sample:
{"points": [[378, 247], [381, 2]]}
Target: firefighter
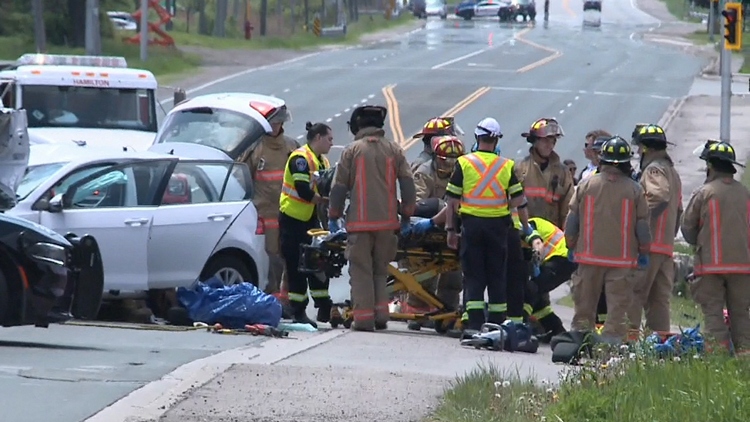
{"points": [[663, 187], [437, 126], [369, 170], [299, 197], [716, 223], [430, 180], [591, 150], [548, 243], [485, 187], [267, 160], [614, 205]]}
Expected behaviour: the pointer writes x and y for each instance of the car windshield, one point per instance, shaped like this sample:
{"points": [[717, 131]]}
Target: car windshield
{"points": [[434, 3], [92, 108], [226, 130], [34, 177]]}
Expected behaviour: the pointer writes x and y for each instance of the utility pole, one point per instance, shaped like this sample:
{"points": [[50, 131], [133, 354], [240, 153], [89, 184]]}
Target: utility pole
{"points": [[732, 13], [40, 34], [144, 30]]}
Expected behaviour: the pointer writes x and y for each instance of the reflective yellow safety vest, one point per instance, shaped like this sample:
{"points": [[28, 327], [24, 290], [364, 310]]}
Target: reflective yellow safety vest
{"points": [[289, 202], [485, 186], [552, 237]]}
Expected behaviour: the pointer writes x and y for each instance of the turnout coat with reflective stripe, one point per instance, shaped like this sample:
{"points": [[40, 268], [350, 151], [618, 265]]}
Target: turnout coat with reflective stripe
{"points": [[608, 205], [370, 168], [662, 184], [717, 221], [548, 191]]}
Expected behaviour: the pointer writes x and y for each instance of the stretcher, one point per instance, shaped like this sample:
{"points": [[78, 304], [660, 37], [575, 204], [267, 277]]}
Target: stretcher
{"points": [[422, 257]]}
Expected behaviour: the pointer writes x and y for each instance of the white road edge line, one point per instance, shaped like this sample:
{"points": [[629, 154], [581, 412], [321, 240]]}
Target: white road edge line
{"points": [[240, 74], [458, 59], [156, 398]]}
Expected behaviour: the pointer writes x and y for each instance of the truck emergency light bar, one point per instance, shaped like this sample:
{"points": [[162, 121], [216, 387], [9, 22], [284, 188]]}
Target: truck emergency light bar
{"points": [[66, 60]]}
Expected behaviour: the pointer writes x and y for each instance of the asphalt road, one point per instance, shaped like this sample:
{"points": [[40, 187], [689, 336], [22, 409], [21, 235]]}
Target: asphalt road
{"points": [[587, 78]]}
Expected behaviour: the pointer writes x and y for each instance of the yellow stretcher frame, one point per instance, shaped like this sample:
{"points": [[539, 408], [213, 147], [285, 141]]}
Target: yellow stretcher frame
{"points": [[419, 265]]}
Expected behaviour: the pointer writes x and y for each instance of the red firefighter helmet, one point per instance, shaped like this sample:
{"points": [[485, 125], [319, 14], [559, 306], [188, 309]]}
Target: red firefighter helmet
{"points": [[447, 147]]}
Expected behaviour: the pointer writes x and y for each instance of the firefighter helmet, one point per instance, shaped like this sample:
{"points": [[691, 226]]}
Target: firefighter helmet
{"points": [[615, 151], [447, 146], [367, 116], [650, 136], [543, 128], [720, 151]]}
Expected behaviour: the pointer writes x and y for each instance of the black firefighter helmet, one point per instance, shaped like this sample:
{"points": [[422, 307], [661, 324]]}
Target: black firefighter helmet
{"points": [[719, 151], [615, 151], [367, 116]]}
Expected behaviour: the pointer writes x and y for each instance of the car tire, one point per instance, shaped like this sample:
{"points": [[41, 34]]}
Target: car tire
{"points": [[467, 18], [223, 262], [443, 17]]}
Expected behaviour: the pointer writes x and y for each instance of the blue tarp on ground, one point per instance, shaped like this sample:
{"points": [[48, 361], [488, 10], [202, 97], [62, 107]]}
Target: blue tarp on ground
{"points": [[231, 306]]}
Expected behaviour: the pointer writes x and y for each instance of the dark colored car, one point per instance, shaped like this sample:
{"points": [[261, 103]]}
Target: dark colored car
{"points": [[592, 5], [510, 11], [43, 274], [419, 8], [465, 9]]}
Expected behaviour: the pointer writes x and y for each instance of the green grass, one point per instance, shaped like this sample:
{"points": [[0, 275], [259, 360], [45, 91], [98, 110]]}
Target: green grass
{"points": [[161, 60], [636, 386], [300, 40], [681, 10], [683, 311]]}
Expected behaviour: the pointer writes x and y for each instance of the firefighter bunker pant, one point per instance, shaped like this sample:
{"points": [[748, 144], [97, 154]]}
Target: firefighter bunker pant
{"points": [[552, 273], [518, 275], [588, 282], [712, 292], [652, 293], [293, 234], [369, 255], [484, 255], [275, 260]]}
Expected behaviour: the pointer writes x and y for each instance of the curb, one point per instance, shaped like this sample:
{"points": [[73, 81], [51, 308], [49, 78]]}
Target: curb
{"points": [[153, 400], [672, 112]]}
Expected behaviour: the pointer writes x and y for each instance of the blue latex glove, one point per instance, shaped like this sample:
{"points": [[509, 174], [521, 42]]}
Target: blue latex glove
{"points": [[423, 225], [406, 228], [333, 226], [642, 261], [571, 255], [537, 271], [527, 231]]}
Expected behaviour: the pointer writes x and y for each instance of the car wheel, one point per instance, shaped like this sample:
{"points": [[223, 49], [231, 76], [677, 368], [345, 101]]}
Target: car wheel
{"points": [[229, 269], [443, 17], [467, 18]]}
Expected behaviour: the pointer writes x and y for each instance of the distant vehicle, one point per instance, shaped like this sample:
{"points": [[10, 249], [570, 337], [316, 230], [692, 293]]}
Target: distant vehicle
{"points": [[436, 8], [487, 8], [592, 5], [510, 10], [465, 9], [592, 13], [161, 220], [418, 8], [123, 21], [36, 265]]}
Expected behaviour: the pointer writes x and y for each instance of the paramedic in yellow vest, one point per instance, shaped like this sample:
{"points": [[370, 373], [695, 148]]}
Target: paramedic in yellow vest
{"points": [[485, 187], [266, 160], [299, 197], [548, 242]]}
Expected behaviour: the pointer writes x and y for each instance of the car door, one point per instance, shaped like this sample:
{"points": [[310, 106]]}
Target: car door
{"points": [[201, 201], [114, 204]]}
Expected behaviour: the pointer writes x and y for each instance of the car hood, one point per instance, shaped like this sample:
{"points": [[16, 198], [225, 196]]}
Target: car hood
{"points": [[119, 138], [11, 227], [188, 150]]}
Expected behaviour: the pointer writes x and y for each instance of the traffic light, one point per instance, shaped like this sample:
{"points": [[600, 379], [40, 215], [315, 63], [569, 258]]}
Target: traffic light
{"points": [[732, 26]]}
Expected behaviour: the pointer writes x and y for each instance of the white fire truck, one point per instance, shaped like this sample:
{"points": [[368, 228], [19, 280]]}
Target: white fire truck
{"points": [[92, 100]]}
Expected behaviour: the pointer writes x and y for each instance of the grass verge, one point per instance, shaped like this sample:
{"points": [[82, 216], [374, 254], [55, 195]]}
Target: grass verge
{"points": [[683, 312], [681, 10], [301, 40], [161, 60], [638, 387]]}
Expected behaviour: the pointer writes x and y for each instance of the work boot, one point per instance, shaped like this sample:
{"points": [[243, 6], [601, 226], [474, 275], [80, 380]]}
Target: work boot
{"points": [[324, 312], [381, 326], [362, 326], [301, 317]]}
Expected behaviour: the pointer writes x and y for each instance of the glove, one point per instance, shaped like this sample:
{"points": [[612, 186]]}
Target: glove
{"points": [[333, 226], [642, 261], [423, 225], [527, 231], [571, 255], [537, 271], [405, 228]]}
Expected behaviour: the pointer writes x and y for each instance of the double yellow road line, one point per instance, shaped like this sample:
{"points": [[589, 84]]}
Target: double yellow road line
{"points": [[451, 112], [554, 54], [394, 116]]}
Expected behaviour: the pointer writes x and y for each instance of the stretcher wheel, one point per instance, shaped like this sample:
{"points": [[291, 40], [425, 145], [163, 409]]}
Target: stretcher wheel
{"points": [[348, 323], [442, 326]]}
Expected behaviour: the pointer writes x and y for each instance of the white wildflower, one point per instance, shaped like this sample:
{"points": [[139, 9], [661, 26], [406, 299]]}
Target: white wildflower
{"points": [[506, 384]]}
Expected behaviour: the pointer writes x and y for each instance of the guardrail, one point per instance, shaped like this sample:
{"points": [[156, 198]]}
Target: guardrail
{"points": [[333, 31]]}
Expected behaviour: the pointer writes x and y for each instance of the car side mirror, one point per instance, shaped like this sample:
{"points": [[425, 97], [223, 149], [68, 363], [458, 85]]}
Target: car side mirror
{"points": [[55, 204]]}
